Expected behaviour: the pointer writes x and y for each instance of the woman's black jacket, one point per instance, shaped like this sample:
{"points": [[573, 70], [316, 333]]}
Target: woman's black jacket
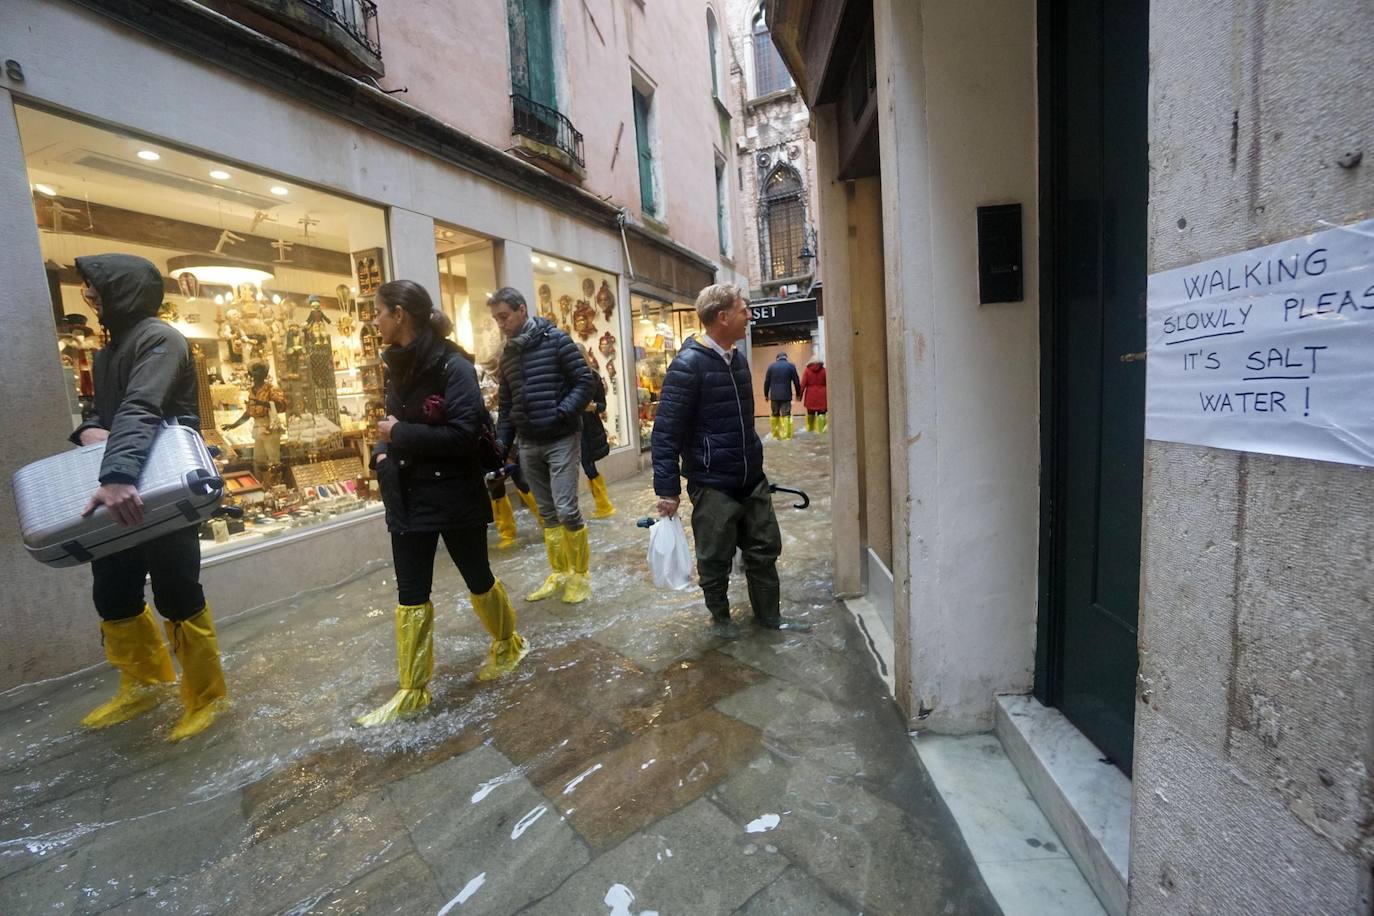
{"points": [[430, 478], [595, 445]]}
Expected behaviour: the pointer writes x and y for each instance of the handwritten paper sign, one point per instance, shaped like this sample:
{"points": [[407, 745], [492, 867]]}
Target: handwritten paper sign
{"points": [[1269, 350]]}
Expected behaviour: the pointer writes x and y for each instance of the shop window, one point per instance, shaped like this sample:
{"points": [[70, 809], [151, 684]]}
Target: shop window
{"points": [[770, 75], [467, 276], [782, 213], [257, 270], [660, 330], [644, 141], [584, 302]]}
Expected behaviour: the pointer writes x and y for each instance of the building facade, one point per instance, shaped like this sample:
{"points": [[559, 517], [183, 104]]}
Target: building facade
{"points": [[999, 184], [279, 160], [775, 172]]}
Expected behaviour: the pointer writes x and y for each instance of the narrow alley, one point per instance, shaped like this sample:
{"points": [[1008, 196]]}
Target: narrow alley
{"points": [[633, 765]]}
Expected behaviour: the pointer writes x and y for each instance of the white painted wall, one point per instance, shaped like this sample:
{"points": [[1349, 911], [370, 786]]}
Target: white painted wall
{"points": [[956, 93]]}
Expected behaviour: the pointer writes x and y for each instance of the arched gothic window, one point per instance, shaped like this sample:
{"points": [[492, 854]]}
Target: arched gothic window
{"points": [[782, 213]]}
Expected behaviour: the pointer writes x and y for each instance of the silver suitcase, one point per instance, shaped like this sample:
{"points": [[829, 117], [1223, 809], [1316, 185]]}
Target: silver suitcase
{"points": [[180, 486]]}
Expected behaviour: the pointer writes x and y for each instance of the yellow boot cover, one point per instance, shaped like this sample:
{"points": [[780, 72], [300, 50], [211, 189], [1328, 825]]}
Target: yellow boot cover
{"points": [[533, 506], [775, 427], [202, 679], [810, 422], [787, 427], [604, 507], [820, 424], [414, 665], [136, 650], [579, 587], [504, 517], [558, 562], [498, 616]]}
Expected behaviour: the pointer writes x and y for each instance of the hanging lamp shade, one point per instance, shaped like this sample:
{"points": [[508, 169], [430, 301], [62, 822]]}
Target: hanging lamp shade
{"points": [[219, 269]]}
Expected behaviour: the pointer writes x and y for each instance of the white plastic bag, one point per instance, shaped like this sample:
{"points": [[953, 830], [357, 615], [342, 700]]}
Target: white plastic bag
{"points": [[670, 559]]}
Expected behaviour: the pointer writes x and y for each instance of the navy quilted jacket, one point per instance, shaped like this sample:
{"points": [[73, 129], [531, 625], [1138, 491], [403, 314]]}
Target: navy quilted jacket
{"points": [[545, 385], [706, 419]]}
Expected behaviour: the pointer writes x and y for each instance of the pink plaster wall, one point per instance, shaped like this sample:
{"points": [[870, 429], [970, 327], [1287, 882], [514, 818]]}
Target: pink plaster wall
{"points": [[453, 59]]}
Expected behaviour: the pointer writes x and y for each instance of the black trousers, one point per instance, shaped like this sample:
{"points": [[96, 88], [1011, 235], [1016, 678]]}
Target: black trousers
{"points": [[171, 561], [781, 408], [720, 525], [413, 555], [589, 467]]}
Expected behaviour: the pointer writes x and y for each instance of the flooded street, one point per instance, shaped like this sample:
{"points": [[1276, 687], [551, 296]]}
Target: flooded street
{"points": [[634, 764]]}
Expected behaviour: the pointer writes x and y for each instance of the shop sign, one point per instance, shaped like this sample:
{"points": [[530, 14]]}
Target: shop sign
{"points": [[786, 311], [1269, 350]]}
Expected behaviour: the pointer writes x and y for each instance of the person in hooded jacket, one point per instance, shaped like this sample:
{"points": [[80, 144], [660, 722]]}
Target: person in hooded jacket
{"points": [[144, 375], [778, 384], [813, 395], [595, 445], [545, 386], [432, 488]]}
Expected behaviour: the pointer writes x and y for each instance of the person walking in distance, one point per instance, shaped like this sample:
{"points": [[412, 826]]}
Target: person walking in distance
{"points": [[705, 431], [595, 445], [813, 395], [546, 386], [143, 376], [779, 382], [432, 488]]}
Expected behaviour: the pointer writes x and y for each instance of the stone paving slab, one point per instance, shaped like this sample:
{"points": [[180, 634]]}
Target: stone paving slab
{"points": [[695, 861], [794, 893]]}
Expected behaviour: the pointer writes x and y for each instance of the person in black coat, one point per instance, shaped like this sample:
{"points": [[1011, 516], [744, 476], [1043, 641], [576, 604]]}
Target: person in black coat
{"points": [[779, 383], [432, 488], [704, 431], [595, 445], [144, 376], [545, 386]]}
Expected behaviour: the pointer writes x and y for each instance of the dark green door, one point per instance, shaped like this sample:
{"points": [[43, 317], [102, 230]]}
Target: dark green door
{"points": [[1094, 182]]}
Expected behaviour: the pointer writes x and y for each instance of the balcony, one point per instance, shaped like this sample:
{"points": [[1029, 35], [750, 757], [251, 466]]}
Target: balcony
{"points": [[544, 133], [343, 33]]}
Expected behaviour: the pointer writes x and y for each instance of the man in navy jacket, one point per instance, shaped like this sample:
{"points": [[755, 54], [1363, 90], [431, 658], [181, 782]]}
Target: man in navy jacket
{"points": [[779, 382], [704, 430]]}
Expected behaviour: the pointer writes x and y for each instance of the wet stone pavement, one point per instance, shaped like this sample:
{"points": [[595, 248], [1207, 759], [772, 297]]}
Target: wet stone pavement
{"points": [[633, 765]]}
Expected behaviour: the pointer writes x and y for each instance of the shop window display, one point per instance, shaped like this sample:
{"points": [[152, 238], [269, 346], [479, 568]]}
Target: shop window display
{"points": [[269, 281], [583, 302], [467, 276], [660, 328]]}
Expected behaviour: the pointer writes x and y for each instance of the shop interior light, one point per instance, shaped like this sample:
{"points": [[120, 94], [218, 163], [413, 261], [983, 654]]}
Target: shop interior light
{"points": [[534, 259], [219, 269], [553, 264], [279, 190], [45, 190], [220, 175], [276, 299], [148, 155], [219, 299], [567, 269]]}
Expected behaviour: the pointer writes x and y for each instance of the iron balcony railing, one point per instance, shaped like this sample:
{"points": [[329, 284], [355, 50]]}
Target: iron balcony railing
{"points": [[356, 17], [546, 125]]}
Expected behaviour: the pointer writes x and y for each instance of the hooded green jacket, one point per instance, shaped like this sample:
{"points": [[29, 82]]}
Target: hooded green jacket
{"points": [[145, 374]]}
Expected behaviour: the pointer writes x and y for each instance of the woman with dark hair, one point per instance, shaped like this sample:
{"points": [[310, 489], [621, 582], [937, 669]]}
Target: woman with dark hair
{"points": [[432, 488], [595, 445]]}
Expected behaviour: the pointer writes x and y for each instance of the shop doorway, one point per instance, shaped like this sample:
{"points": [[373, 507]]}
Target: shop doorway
{"points": [[1094, 182]]}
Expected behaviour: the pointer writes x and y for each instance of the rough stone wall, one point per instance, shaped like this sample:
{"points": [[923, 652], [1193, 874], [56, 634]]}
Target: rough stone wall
{"points": [[778, 126], [1254, 732]]}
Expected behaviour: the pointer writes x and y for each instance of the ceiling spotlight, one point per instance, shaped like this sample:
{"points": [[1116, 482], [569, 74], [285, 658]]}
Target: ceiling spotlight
{"points": [[219, 299], [219, 174], [45, 190], [148, 155], [553, 264], [567, 269], [276, 299], [279, 190], [534, 259]]}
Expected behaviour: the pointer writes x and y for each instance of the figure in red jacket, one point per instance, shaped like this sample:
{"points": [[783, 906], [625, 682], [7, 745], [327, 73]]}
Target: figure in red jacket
{"points": [[813, 395]]}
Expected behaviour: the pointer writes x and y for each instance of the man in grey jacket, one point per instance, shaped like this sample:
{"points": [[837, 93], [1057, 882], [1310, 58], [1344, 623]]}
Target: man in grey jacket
{"points": [[143, 376]]}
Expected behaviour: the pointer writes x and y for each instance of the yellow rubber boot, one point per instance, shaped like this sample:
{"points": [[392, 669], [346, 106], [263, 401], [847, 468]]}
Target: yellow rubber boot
{"points": [[554, 539], [533, 506], [820, 424], [787, 427], [136, 650], [810, 422], [504, 517], [507, 647], [578, 587], [414, 665], [202, 679], [604, 507], [775, 427]]}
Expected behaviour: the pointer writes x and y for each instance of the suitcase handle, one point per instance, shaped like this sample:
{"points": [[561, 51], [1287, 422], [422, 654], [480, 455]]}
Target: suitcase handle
{"points": [[203, 482]]}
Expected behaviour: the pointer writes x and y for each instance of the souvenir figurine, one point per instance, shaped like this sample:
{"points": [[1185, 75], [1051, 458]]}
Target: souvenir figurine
{"points": [[168, 311], [345, 297], [605, 299], [584, 320], [316, 323], [565, 308], [190, 286], [607, 345]]}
